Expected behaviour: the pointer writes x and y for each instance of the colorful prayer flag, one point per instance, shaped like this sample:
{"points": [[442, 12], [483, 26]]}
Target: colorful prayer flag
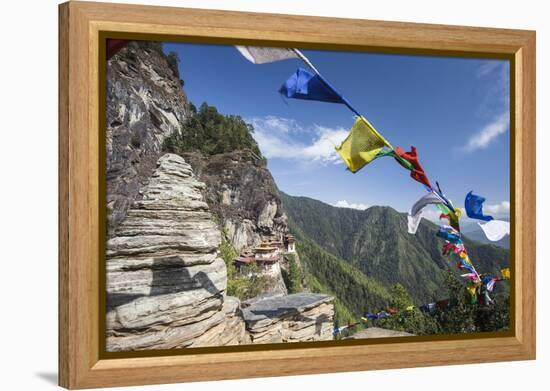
{"points": [[447, 248], [474, 207], [400, 160], [448, 235], [465, 266], [415, 215], [263, 55], [495, 230], [443, 208], [470, 276], [361, 146], [489, 283], [417, 173], [453, 218], [304, 85], [472, 290], [505, 273]]}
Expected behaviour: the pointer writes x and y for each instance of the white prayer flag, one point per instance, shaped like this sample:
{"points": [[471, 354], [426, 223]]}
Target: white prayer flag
{"points": [[495, 229], [415, 215], [263, 55]]}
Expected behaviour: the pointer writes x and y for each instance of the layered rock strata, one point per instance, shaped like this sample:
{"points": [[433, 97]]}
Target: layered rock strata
{"points": [[299, 317], [165, 280]]}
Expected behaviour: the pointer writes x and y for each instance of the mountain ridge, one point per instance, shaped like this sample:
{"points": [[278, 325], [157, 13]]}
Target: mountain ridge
{"points": [[376, 242]]}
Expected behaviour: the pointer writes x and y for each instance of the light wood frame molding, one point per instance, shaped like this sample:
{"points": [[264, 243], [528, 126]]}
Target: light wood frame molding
{"points": [[80, 27]]}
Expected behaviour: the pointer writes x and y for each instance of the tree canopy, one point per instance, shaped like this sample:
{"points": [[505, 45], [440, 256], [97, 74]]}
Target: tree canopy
{"points": [[210, 132]]}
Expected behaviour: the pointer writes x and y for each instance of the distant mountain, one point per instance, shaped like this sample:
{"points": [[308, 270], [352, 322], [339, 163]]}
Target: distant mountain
{"points": [[376, 242]]}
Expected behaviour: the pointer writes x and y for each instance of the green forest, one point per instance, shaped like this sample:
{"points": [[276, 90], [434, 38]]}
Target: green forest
{"points": [[210, 132]]}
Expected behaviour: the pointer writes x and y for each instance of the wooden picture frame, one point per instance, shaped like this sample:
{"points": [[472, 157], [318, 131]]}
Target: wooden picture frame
{"points": [[82, 26]]}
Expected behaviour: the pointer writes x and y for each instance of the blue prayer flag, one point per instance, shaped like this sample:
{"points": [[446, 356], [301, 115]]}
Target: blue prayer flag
{"points": [[474, 207], [305, 85], [466, 266], [450, 236]]}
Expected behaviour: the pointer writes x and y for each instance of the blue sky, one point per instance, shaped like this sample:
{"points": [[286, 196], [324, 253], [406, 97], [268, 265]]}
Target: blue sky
{"points": [[454, 110]]}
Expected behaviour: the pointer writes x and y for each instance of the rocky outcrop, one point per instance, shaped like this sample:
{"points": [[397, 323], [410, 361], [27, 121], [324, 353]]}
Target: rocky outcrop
{"points": [[294, 318], [242, 195], [231, 331], [145, 104], [377, 332], [165, 281]]}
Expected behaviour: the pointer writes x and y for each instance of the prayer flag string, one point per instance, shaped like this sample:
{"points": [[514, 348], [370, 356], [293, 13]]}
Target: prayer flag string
{"points": [[365, 144]]}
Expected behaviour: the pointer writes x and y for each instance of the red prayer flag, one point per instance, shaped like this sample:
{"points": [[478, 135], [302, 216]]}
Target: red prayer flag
{"points": [[447, 247], [417, 172]]}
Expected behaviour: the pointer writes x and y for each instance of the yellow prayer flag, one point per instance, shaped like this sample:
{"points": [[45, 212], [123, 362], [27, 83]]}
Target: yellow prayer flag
{"points": [[505, 273], [361, 145], [471, 289]]}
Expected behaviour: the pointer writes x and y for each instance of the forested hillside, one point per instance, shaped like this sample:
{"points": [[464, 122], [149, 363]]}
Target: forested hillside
{"points": [[376, 242], [326, 273]]}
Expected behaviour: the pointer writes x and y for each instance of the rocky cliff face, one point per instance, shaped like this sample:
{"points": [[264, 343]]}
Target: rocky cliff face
{"points": [[145, 104], [165, 281], [242, 195]]}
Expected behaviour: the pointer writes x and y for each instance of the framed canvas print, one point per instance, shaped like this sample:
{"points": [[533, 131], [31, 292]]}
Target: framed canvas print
{"points": [[247, 195]]}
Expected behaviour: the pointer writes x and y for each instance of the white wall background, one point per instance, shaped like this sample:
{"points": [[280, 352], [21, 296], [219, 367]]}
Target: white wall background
{"points": [[28, 193]]}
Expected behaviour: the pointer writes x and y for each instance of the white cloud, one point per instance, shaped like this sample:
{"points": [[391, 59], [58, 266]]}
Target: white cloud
{"points": [[277, 124], [277, 139], [488, 133], [498, 209], [322, 148], [351, 205]]}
